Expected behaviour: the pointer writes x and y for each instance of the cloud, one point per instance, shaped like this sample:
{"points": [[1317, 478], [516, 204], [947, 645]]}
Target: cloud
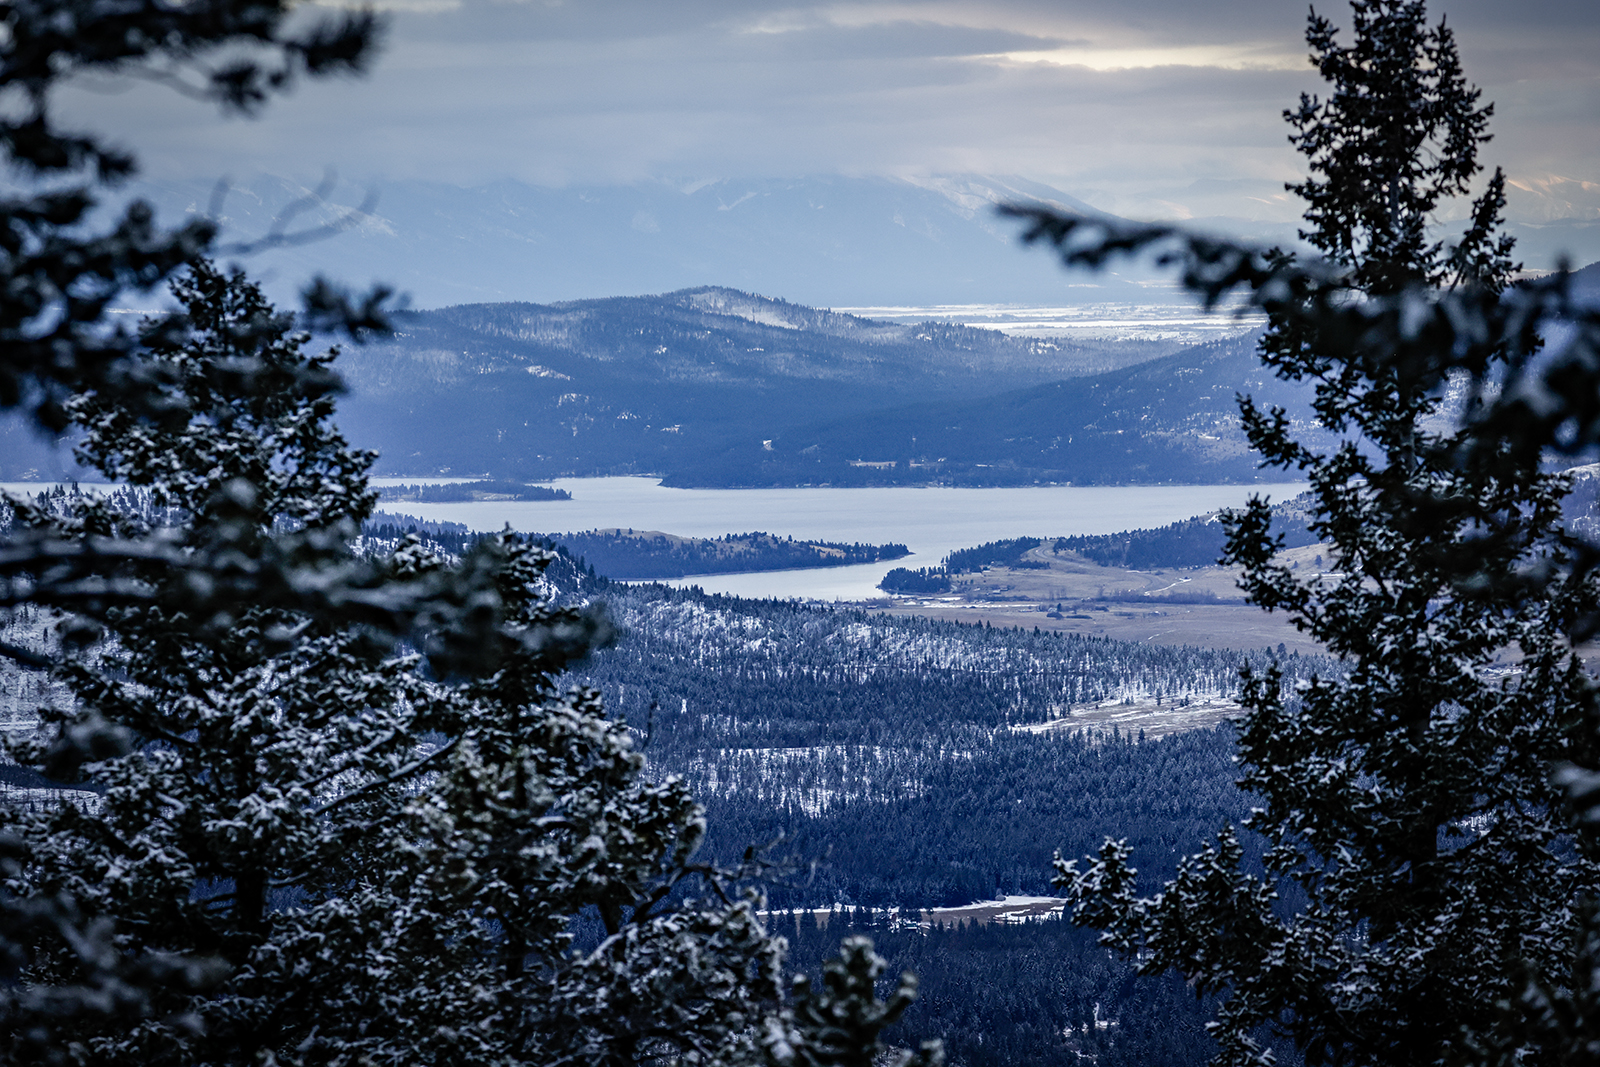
{"points": [[1109, 95]]}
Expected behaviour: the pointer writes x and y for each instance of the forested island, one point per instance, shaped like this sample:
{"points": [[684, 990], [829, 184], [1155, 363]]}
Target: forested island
{"points": [[628, 555]]}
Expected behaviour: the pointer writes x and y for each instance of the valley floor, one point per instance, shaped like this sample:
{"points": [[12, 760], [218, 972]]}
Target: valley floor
{"points": [[1167, 607]]}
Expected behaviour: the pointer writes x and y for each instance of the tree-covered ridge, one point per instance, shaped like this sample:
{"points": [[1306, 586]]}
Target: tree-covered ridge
{"points": [[646, 555], [1188, 543], [1168, 420], [719, 333], [649, 555], [630, 385], [727, 650], [716, 387]]}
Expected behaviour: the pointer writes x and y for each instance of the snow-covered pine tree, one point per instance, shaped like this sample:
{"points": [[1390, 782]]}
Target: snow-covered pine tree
{"points": [[60, 268], [542, 814], [259, 752], [1409, 799], [336, 859], [216, 835]]}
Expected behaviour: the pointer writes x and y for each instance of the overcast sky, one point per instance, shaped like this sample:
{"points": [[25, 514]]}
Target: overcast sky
{"points": [[1129, 98]]}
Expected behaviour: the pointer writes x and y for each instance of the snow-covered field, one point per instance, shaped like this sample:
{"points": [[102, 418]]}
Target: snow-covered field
{"points": [[1003, 909], [1142, 715]]}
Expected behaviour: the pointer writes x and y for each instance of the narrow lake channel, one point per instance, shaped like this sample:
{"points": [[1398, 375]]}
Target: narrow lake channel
{"points": [[930, 521]]}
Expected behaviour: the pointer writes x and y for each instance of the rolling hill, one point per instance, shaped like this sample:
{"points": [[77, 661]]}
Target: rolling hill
{"points": [[714, 386], [648, 384], [1169, 420]]}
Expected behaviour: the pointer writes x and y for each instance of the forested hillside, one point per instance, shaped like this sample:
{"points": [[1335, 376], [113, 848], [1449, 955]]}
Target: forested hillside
{"points": [[886, 752], [648, 555], [712, 386], [1173, 419], [883, 751], [642, 384], [891, 743]]}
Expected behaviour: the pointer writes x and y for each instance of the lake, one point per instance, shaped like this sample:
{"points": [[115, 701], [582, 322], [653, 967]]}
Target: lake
{"points": [[930, 521]]}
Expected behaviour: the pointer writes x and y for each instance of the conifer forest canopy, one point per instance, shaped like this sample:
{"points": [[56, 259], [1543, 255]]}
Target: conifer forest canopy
{"points": [[312, 800]]}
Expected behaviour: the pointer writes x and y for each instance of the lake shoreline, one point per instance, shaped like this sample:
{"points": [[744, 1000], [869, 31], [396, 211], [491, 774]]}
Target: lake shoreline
{"points": [[932, 521]]}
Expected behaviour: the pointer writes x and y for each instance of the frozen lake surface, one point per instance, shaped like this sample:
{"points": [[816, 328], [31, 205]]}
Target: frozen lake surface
{"points": [[930, 521]]}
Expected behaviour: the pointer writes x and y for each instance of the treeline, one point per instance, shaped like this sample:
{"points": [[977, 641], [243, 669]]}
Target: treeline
{"points": [[1007, 553], [921, 580], [459, 492], [1191, 543], [626, 555]]}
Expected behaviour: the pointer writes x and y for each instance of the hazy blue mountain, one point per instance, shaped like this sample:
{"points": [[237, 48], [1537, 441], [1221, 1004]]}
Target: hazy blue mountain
{"points": [[824, 241], [718, 387], [647, 384], [1173, 420], [713, 386]]}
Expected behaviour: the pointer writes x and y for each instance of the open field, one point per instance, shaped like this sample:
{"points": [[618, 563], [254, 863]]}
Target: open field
{"points": [[1200, 606], [1003, 909], [1152, 718]]}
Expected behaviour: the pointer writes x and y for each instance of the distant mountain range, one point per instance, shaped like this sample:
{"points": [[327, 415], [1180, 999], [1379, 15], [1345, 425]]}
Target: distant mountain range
{"points": [[1169, 420], [825, 241], [719, 387], [652, 384]]}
